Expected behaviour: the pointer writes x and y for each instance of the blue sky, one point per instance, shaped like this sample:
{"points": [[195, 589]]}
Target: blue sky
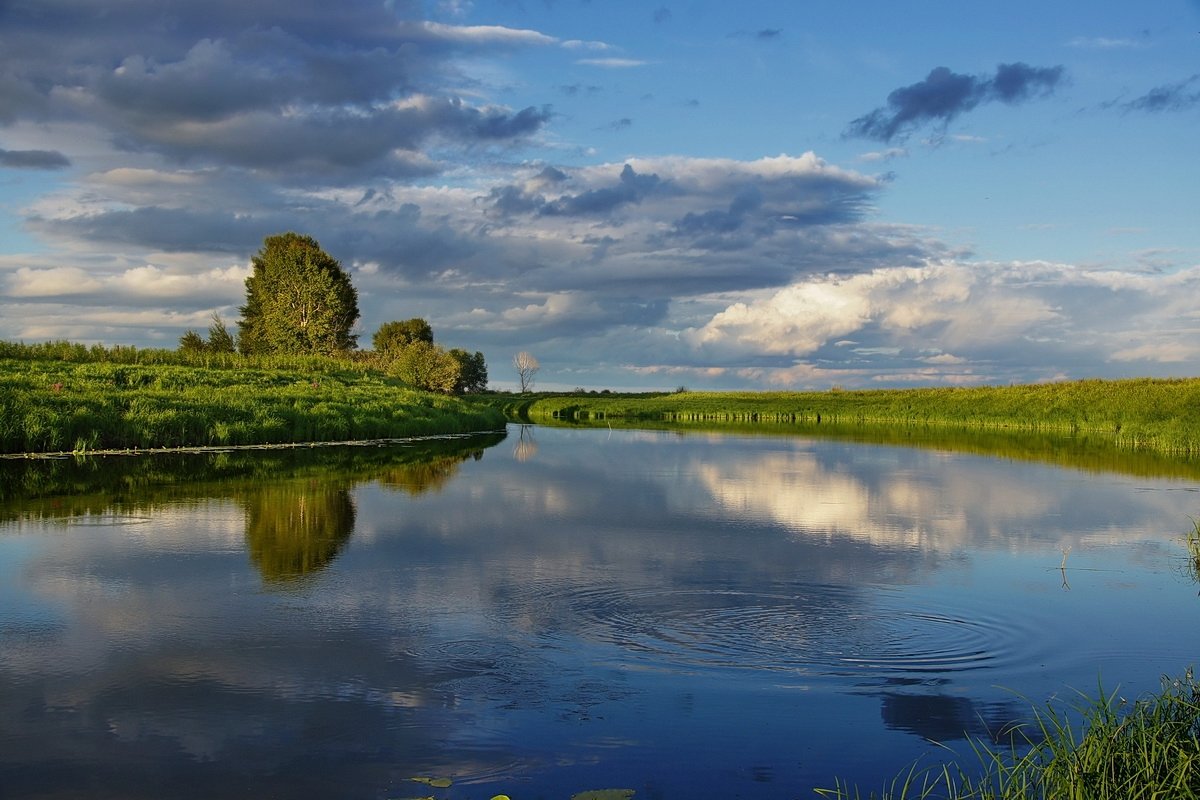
{"points": [[644, 195]]}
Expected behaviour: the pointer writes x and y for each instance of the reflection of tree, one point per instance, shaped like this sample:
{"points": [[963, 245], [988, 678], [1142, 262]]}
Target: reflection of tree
{"points": [[422, 477], [58, 488], [297, 528], [525, 448]]}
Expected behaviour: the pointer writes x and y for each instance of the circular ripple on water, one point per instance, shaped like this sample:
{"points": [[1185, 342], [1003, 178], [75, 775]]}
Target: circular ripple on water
{"points": [[821, 629]]}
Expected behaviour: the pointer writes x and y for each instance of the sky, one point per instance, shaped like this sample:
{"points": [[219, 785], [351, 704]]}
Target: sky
{"points": [[643, 195]]}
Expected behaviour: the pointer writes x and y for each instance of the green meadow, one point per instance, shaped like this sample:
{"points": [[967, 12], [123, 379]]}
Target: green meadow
{"points": [[63, 397], [1161, 415]]}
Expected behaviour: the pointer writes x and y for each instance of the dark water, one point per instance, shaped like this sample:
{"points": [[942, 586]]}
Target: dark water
{"points": [[563, 610]]}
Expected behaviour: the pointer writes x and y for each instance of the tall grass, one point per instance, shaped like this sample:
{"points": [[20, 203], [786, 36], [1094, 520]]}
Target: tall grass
{"points": [[1117, 751], [62, 397]]}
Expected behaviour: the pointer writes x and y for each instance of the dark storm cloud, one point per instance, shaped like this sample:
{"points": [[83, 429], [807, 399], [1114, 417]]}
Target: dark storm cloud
{"points": [[33, 159], [274, 85], [944, 95], [1171, 97]]}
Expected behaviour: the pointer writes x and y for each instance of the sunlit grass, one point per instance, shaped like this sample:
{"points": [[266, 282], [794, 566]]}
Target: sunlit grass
{"points": [[61, 397]]}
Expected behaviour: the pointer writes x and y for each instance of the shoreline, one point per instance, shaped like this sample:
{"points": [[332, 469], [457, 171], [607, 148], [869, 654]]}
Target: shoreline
{"points": [[201, 449]]}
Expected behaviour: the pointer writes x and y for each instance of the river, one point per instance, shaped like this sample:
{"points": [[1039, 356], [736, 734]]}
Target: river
{"points": [[560, 610]]}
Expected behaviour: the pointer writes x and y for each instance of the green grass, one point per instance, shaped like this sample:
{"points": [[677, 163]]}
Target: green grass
{"points": [[68, 398], [1118, 751], [1162, 415]]}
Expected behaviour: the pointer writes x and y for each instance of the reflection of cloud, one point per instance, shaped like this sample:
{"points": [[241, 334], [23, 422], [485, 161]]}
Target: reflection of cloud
{"points": [[472, 614], [927, 502]]}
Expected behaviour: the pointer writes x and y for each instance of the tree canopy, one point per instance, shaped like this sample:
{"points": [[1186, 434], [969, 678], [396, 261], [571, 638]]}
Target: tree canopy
{"points": [[472, 372], [426, 366], [392, 336], [220, 340], [299, 300]]}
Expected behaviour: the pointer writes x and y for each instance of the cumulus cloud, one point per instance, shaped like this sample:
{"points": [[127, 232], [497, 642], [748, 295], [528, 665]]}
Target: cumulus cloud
{"points": [[52, 282], [943, 95], [954, 322]]}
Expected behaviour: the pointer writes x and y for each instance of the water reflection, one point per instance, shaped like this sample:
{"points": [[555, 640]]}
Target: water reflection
{"points": [[947, 718], [526, 445], [686, 615], [297, 528]]}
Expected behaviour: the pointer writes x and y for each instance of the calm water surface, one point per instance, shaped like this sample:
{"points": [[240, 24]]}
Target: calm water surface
{"points": [[562, 610]]}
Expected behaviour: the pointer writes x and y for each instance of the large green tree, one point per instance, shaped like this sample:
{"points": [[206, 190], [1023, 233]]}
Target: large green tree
{"points": [[426, 366], [472, 372], [392, 336], [298, 300]]}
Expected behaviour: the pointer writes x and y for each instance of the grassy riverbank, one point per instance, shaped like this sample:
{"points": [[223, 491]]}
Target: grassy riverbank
{"points": [[70, 398], [1150, 414], [1149, 748]]}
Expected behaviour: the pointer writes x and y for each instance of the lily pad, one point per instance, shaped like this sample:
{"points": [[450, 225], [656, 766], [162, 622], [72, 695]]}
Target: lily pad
{"points": [[437, 783], [604, 794]]}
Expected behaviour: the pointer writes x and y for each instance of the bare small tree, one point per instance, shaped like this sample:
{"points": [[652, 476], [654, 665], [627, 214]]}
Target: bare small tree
{"points": [[527, 367]]}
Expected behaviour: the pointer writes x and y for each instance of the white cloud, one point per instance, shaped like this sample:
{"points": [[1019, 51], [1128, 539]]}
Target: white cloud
{"points": [[794, 321], [579, 44], [1103, 43], [612, 63], [884, 155], [960, 323], [1163, 352], [54, 282], [147, 281], [474, 34]]}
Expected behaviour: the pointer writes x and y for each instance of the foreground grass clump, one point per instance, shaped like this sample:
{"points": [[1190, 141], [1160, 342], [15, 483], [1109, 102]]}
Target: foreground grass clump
{"points": [[1151, 414], [104, 401], [1150, 749]]}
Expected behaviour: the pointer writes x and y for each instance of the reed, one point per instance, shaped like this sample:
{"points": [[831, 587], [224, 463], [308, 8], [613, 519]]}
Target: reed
{"points": [[1116, 751]]}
